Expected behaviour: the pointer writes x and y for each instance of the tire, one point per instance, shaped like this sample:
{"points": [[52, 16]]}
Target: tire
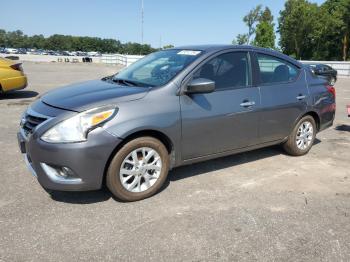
{"points": [[292, 147], [131, 164]]}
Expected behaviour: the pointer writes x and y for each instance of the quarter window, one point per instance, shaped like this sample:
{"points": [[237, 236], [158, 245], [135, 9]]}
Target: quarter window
{"points": [[229, 70], [274, 70]]}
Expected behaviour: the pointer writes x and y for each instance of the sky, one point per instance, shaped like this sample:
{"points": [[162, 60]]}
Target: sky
{"points": [[176, 22]]}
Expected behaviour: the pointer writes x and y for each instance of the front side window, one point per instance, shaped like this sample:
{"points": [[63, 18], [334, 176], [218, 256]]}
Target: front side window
{"points": [[158, 68], [273, 70], [229, 70]]}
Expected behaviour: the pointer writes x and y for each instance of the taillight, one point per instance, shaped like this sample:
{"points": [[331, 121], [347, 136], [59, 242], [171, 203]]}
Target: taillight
{"points": [[331, 89], [17, 67]]}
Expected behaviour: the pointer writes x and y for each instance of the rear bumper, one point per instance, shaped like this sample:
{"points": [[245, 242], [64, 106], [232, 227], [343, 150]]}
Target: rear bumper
{"points": [[327, 116], [86, 160], [325, 125], [14, 83]]}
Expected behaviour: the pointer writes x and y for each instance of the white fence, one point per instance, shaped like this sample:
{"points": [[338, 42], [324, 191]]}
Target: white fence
{"points": [[124, 60], [50, 58], [343, 68]]}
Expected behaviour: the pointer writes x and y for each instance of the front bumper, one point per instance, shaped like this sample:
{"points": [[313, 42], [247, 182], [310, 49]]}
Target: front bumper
{"points": [[87, 160]]}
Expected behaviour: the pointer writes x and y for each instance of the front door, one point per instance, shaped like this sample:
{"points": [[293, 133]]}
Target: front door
{"points": [[227, 118]]}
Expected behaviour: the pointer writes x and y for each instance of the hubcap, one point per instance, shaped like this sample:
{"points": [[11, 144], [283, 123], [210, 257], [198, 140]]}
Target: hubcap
{"points": [[140, 169], [304, 135]]}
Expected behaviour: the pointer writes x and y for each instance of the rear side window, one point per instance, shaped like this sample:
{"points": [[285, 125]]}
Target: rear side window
{"points": [[273, 70], [229, 70]]}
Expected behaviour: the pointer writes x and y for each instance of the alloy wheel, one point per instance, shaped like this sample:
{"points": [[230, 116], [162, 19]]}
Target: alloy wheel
{"points": [[140, 169], [304, 135]]}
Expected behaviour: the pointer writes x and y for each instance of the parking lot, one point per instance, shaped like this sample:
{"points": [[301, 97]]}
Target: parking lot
{"points": [[257, 206]]}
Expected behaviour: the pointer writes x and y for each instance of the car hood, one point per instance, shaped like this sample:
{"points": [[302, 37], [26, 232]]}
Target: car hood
{"points": [[86, 95]]}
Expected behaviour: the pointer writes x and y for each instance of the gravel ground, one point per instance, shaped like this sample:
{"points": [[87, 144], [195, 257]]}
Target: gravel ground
{"points": [[257, 206]]}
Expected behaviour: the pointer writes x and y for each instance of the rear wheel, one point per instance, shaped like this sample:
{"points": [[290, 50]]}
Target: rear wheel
{"points": [[302, 137], [138, 170]]}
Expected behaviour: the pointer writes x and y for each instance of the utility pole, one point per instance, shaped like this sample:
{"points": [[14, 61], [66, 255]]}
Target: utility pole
{"points": [[142, 22]]}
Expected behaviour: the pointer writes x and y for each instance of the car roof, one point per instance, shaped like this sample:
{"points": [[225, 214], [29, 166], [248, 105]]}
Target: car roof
{"points": [[214, 47], [217, 47]]}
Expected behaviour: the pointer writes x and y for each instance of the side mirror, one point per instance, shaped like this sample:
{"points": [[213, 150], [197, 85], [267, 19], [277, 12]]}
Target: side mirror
{"points": [[200, 86]]}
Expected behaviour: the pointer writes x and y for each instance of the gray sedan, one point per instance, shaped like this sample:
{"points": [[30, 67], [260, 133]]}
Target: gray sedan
{"points": [[174, 107]]}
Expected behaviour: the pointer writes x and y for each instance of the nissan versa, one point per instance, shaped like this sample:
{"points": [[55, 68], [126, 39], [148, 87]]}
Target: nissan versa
{"points": [[173, 107]]}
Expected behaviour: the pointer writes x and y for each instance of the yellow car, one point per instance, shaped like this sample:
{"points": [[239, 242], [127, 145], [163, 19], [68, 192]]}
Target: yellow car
{"points": [[11, 75]]}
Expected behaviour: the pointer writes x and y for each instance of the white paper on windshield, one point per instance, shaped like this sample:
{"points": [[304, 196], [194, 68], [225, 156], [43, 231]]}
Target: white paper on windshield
{"points": [[188, 52]]}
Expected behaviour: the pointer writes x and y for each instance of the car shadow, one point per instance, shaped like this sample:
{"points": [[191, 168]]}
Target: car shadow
{"points": [[21, 94], [88, 197], [344, 128], [223, 163], [183, 172]]}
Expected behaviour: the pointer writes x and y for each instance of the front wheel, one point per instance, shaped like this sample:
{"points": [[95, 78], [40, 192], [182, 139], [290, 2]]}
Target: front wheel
{"points": [[302, 137], [138, 170]]}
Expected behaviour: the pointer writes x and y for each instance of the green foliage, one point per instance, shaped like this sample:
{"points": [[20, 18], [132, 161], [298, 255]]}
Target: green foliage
{"points": [[307, 30], [17, 39], [266, 16], [241, 39], [265, 33], [261, 24], [315, 32], [297, 23], [336, 15], [168, 46], [251, 19]]}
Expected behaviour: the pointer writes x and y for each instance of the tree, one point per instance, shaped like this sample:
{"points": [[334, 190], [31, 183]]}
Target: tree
{"points": [[15, 39], [297, 24], [241, 39], [2, 38], [251, 19], [58, 42], [36, 41], [168, 46], [338, 13], [265, 33]]}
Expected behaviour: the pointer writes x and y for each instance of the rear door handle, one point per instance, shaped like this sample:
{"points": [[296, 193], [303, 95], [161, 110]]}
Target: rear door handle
{"points": [[247, 103], [301, 97]]}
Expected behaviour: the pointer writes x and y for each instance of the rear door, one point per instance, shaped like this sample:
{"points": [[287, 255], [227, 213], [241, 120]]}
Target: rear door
{"points": [[284, 94], [227, 118]]}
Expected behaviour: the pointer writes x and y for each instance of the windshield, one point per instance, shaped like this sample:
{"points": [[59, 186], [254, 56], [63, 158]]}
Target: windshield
{"points": [[157, 68]]}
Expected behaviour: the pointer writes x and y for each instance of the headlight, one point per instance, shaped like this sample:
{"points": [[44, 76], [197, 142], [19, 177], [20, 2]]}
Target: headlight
{"points": [[76, 128]]}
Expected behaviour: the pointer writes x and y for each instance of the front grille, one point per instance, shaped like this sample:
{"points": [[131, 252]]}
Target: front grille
{"points": [[30, 122]]}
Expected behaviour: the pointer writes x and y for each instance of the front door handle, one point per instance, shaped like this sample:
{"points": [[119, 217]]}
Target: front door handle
{"points": [[301, 97], [247, 103]]}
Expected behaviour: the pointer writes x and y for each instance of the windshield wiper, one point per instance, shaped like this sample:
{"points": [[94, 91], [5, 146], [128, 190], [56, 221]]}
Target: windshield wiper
{"points": [[106, 78], [125, 82], [128, 82]]}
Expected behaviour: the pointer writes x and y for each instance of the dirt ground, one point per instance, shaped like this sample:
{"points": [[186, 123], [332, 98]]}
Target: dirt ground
{"points": [[257, 206]]}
